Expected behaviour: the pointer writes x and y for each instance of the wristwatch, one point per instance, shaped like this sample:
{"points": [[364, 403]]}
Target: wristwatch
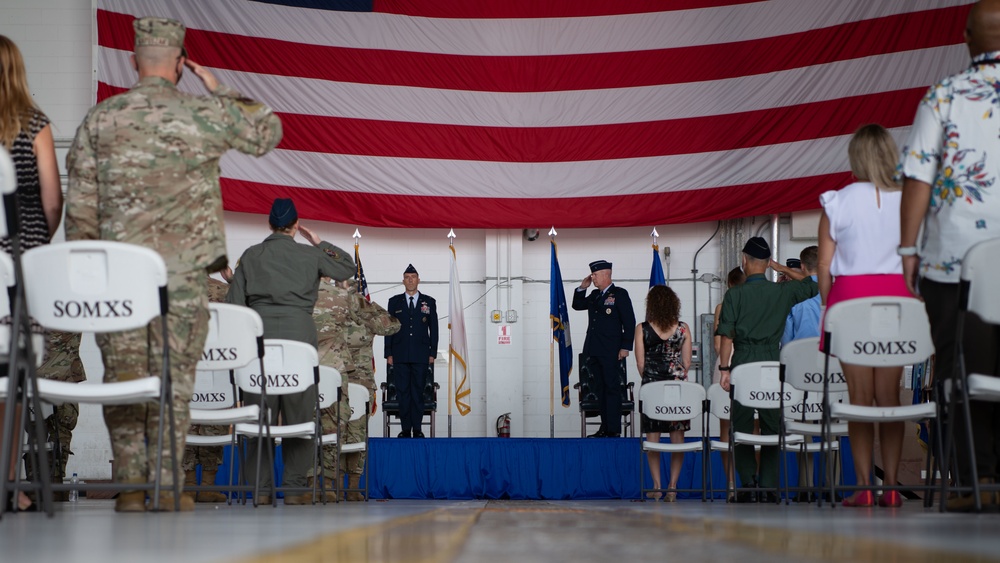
{"points": [[724, 368], [906, 250]]}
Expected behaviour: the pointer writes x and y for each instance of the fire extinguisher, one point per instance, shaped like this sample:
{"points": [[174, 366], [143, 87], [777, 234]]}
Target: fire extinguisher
{"points": [[503, 425]]}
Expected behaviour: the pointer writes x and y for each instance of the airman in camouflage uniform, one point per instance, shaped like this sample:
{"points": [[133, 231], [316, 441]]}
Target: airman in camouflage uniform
{"points": [[346, 323], [144, 169], [209, 457], [62, 363]]}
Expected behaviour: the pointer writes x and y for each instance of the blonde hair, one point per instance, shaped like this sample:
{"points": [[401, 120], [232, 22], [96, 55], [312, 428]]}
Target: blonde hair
{"points": [[16, 105], [873, 155]]}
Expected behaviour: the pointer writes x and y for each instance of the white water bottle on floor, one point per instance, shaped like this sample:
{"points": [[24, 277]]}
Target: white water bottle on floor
{"points": [[74, 493]]}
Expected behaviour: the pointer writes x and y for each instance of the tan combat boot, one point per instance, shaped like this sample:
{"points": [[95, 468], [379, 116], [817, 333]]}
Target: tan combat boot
{"points": [[208, 478], [330, 496], [131, 501], [967, 503], [190, 480], [167, 503], [354, 482]]}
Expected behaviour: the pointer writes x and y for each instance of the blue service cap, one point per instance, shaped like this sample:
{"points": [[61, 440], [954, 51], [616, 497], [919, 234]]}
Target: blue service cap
{"points": [[283, 213], [758, 248], [599, 265]]}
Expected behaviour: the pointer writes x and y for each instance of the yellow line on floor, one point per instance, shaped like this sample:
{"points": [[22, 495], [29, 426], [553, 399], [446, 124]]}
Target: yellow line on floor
{"points": [[431, 537], [807, 544]]}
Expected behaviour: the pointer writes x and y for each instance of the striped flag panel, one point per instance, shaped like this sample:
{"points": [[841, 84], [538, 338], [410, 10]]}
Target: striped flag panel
{"points": [[581, 113]]}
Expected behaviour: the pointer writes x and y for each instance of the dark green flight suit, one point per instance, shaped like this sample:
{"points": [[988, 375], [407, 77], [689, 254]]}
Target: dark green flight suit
{"points": [[279, 278], [753, 315]]}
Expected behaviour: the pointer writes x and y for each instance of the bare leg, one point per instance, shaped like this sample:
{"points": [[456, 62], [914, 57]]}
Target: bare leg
{"points": [[861, 388], [23, 500], [890, 433], [726, 465], [676, 460], [654, 464]]}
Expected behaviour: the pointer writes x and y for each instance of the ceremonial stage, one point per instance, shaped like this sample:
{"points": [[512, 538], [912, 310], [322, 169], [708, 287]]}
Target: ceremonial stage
{"points": [[525, 469]]}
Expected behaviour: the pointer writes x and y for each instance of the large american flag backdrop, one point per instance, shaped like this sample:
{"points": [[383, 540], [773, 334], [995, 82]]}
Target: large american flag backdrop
{"points": [[529, 113]]}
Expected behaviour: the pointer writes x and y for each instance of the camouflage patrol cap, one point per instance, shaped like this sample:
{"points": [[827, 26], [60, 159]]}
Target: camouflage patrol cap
{"points": [[158, 32]]}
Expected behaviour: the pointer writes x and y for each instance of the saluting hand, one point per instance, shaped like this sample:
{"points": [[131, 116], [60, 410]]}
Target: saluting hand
{"points": [[207, 78], [586, 281], [310, 236]]}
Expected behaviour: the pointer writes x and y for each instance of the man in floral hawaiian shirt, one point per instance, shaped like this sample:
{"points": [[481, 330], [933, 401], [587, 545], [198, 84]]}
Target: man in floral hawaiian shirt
{"points": [[950, 163]]}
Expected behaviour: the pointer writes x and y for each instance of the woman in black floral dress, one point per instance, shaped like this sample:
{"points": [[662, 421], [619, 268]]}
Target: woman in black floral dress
{"points": [[663, 353], [26, 134]]}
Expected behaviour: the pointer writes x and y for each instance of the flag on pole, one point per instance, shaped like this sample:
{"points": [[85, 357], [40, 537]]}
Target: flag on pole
{"points": [[359, 274], [458, 349], [656, 273], [559, 315]]}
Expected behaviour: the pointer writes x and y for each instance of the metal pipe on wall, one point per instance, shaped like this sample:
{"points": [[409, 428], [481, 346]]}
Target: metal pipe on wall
{"points": [[774, 244], [694, 279]]}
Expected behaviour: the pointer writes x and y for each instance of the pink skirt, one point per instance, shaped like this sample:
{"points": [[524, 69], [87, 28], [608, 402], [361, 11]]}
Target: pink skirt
{"points": [[846, 288]]}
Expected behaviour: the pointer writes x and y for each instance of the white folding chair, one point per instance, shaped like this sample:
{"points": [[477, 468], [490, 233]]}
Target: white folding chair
{"points": [[757, 385], [879, 332], [719, 406], [6, 350], [7, 282], [330, 389], [289, 367], [359, 397], [673, 401], [803, 366], [104, 286], [235, 339], [978, 295], [215, 403]]}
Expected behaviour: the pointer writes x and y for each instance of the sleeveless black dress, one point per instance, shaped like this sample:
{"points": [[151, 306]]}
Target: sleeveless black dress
{"points": [[34, 229], [663, 362]]}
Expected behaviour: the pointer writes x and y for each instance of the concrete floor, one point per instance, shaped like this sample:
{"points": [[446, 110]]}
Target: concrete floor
{"points": [[501, 531]]}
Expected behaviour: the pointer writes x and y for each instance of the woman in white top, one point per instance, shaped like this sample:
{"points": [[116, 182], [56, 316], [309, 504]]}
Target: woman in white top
{"points": [[858, 236]]}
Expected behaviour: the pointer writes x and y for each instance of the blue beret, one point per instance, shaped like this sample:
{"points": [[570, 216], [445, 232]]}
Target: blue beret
{"points": [[283, 213], [599, 265]]}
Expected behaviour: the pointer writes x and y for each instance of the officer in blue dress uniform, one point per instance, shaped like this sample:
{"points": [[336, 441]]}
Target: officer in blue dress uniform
{"points": [[411, 350], [610, 331]]}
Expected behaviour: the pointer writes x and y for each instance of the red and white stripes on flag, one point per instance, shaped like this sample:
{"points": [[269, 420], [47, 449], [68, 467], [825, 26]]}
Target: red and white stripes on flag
{"points": [[583, 113]]}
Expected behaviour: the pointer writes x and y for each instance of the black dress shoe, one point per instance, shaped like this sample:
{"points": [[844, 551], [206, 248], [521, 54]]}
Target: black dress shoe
{"points": [[598, 434], [746, 497], [418, 434], [769, 498], [403, 435]]}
